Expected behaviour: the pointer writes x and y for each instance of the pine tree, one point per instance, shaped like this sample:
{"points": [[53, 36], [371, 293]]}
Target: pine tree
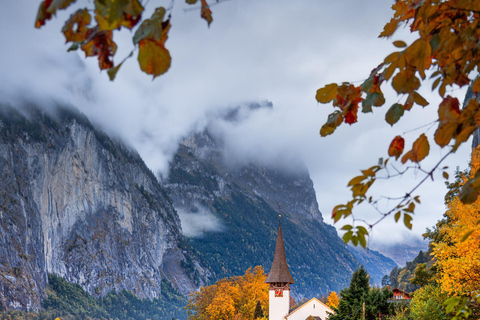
{"points": [[258, 311], [352, 297]]}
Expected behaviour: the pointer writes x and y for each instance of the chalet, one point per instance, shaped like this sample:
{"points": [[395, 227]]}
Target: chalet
{"points": [[400, 294], [279, 278]]}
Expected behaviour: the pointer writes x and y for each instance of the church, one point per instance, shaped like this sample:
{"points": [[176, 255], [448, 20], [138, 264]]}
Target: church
{"points": [[279, 279]]}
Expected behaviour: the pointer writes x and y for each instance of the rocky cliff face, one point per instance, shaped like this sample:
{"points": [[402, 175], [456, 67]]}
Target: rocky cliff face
{"points": [[247, 200], [77, 204]]}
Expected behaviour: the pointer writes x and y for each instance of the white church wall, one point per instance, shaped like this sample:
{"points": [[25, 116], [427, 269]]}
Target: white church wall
{"points": [[278, 306], [313, 307]]}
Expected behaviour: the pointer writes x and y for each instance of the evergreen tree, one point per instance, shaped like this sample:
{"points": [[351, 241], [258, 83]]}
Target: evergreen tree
{"points": [[352, 297], [359, 291], [258, 313]]}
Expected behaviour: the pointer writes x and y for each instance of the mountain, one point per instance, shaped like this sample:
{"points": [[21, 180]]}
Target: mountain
{"points": [[244, 201], [77, 204], [376, 263], [402, 252]]}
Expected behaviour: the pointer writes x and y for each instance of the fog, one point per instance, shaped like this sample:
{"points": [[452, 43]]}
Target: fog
{"points": [[254, 51]]}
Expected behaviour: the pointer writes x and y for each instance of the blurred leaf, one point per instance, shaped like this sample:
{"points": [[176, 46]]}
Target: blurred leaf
{"points": [[113, 14], [206, 13], [327, 93], [419, 151], [399, 44], [396, 147], [394, 113], [80, 19], [42, 14], [407, 220]]}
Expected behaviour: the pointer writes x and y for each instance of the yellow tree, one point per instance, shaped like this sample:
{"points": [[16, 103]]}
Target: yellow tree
{"points": [[458, 255], [231, 298], [332, 300]]}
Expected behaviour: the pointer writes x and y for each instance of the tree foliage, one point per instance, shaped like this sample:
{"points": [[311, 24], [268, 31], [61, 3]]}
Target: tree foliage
{"points": [[358, 292], [427, 304], [231, 298], [458, 254], [446, 52], [332, 300], [94, 34]]}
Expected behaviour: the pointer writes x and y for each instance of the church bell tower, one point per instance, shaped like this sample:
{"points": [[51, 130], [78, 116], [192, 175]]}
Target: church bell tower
{"points": [[279, 279]]}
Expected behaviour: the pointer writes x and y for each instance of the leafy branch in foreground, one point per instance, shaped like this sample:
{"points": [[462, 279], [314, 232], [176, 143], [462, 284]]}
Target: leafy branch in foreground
{"points": [[447, 50], [109, 15]]}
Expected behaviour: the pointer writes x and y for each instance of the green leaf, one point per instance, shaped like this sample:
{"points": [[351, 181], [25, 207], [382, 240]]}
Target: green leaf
{"points": [[394, 114], [347, 236], [327, 93], [347, 227], [362, 230], [375, 99], [362, 240], [151, 28]]}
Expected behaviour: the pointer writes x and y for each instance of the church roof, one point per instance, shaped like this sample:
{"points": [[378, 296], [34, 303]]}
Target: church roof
{"points": [[279, 271]]}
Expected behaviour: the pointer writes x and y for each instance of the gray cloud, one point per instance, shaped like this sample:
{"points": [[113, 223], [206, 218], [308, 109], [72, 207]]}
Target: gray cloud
{"points": [[281, 51]]}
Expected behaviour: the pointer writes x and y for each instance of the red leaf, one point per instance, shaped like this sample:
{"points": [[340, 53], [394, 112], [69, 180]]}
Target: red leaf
{"points": [[396, 147], [206, 13]]}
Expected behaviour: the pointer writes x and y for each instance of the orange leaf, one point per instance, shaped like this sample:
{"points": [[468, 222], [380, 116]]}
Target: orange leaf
{"points": [[80, 19], [419, 151], [206, 13], [42, 14], [396, 147]]}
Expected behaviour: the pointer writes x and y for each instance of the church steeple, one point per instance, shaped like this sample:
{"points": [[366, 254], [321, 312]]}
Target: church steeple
{"points": [[279, 279], [279, 272]]}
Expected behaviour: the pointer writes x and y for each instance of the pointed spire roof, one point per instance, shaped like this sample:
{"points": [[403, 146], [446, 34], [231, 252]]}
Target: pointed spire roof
{"points": [[279, 271]]}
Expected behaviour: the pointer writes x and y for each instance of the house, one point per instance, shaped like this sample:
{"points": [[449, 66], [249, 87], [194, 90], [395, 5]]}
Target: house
{"points": [[279, 278], [400, 294]]}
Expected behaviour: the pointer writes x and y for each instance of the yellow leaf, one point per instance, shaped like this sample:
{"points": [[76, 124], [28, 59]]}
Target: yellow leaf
{"points": [[153, 58], [327, 93]]}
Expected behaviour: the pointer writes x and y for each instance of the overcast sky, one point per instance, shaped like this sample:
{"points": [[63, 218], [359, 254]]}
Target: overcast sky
{"points": [[280, 51]]}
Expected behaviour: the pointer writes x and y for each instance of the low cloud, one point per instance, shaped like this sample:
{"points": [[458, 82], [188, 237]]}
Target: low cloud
{"points": [[196, 224]]}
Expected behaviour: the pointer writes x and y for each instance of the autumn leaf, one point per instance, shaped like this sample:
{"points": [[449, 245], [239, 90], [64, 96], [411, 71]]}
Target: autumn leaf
{"points": [[206, 13], [327, 93], [113, 14], [405, 81], [396, 147], [42, 14], [334, 120], [100, 43], [394, 113], [153, 57], [80, 19], [419, 54], [419, 151], [351, 114], [58, 5]]}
